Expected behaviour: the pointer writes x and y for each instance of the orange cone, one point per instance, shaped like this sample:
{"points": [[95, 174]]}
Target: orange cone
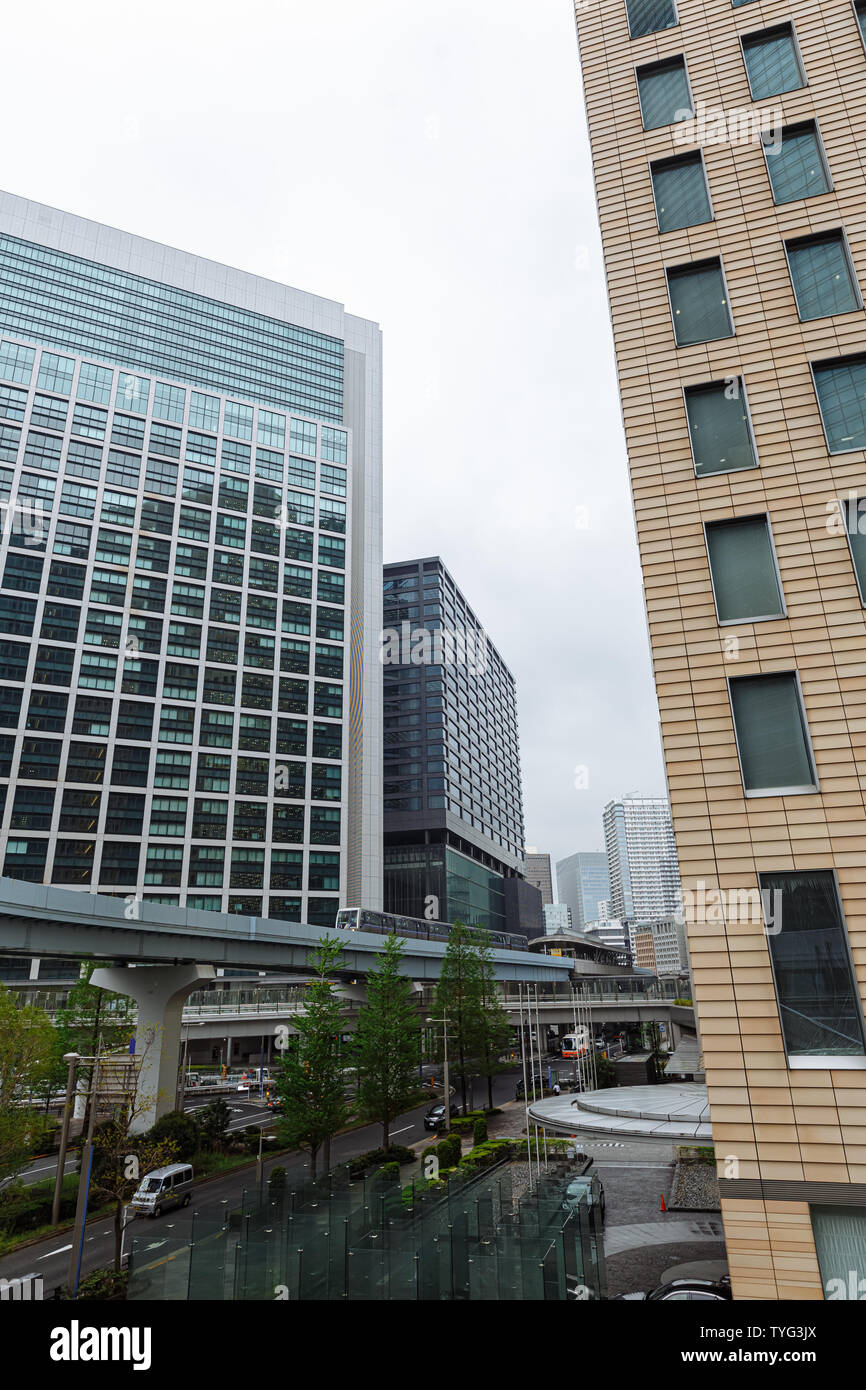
{"points": [[662, 1206]]}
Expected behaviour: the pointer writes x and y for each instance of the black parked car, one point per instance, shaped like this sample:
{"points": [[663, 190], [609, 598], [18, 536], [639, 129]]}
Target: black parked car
{"points": [[435, 1117]]}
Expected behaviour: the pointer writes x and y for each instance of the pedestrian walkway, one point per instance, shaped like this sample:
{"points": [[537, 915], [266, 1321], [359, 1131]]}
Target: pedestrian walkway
{"points": [[618, 1239]]}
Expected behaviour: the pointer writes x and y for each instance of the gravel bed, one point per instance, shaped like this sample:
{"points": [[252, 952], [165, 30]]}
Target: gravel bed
{"points": [[695, 1188]]}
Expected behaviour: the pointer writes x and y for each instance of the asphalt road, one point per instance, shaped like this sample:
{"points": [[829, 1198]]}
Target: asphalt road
{"points": [[50, 1257]]}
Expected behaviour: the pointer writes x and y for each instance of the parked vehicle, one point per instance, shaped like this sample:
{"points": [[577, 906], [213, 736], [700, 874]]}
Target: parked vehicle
{"points": [[163, 1189], [588, 1186], [435, 1117], [542, 1085], [680, 1290]]}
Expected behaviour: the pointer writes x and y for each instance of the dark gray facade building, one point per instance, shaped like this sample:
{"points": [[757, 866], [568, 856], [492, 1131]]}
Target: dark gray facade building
{"points": [[453, 804]]}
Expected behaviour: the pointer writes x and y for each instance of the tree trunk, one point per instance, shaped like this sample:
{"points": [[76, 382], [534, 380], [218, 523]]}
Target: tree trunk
{"points": [[326, 1157], [386, 1131], [490, 1090], [314, 1151]]}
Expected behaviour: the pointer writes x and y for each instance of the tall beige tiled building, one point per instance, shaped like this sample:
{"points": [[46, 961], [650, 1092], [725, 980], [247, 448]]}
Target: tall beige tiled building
{"points": [[729, 147]]}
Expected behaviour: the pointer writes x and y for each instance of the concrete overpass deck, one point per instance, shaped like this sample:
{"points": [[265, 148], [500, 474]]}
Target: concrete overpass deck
{"points": [[41, 920]]}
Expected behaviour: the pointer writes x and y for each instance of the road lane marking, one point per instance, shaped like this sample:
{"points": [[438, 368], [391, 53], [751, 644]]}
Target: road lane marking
{"points": [[54, 1252], [400, 1131]]}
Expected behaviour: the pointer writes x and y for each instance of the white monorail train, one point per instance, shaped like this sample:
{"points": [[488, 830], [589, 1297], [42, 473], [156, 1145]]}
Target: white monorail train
{"points": [[365, 919]]}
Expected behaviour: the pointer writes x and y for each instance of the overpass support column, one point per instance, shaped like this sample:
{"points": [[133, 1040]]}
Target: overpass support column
{"points": [[159, 992]]}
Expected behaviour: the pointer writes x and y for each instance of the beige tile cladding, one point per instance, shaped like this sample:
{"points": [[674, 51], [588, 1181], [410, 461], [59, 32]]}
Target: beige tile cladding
{"points": [[775, 1123]]}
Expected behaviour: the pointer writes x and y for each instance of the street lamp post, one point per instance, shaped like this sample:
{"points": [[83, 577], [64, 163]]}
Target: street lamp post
{"points": [[85, 1166], [444, 1022], [73, 1059]]}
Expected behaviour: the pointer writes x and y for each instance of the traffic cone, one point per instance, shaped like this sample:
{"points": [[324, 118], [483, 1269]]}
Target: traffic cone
{"points": [[662, 1206]]}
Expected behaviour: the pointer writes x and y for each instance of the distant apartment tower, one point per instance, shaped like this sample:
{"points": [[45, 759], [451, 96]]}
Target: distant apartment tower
{"points": [[557, 919], [453, 799], [583, 881], [735, 268], [641, 858], [190, 468], [539, 873], [661, 946], [611, 931]]}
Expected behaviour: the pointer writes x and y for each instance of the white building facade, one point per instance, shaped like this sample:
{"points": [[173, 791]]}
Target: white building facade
{"points": [[190, 578]]}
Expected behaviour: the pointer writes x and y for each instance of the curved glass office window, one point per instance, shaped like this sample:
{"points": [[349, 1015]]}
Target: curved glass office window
{"points": [[650, 16], [773, 62], [663, 90], [772, 738], [796, 164], [823, 276], [816, 990], [743, 568], [680, 192], [699, 303], [841, 388]]}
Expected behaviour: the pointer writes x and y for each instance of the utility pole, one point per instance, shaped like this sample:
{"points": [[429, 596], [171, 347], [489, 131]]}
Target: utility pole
{"points": [[73, 1059], [74, 1274], [444, 1022]]}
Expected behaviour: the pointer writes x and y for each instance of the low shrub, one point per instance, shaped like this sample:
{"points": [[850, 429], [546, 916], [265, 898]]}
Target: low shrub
{"points": [[479, 1132], [448, 1151], [26, 1208], [414, 1190], [390, 1172], [277, 1180], [374, 1158], [102, 1284], [484, 1155]]}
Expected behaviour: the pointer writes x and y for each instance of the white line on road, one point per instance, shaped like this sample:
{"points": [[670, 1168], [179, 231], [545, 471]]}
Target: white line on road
{"points": [[54, 1252], [401, 1131]]}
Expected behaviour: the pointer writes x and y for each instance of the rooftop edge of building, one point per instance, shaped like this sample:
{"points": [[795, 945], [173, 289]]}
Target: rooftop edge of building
{"points": [[125, 251]]}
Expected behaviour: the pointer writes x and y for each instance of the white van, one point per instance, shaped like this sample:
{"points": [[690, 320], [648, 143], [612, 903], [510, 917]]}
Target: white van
{"points": [[163, 1189]]}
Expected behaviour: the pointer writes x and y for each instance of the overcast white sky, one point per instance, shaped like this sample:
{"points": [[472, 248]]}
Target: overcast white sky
{"points": [[427, 165]]}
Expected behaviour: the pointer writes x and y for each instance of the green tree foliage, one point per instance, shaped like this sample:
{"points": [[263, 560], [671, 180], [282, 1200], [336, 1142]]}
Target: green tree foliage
{"points": [[178, 1129], [310, 1078], [213, 1123], [386, 1041], [605, 1073], [94, 1020], [120, 1161], [458, 999], [27, 1049], [493, 1028]]}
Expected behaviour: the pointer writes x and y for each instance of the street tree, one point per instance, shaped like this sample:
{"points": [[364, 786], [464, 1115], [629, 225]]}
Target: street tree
{"points": [[310, 1077], [458, 1000], [120, 1161], [494, 1028], [26, 1053], [386, 1041]]}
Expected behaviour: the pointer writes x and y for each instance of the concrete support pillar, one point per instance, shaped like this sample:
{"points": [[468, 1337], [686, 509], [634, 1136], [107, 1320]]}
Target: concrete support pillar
{"points": [[159, 992]]}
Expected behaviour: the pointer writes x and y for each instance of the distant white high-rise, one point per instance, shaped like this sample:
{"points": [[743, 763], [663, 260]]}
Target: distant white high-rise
{"points": [[610, 931], [557, 918], [642, 858]]}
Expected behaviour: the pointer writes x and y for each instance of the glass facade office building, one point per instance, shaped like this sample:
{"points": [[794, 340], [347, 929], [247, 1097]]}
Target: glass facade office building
{"points": [[583, 883], [453, 799], [188, 464]]}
